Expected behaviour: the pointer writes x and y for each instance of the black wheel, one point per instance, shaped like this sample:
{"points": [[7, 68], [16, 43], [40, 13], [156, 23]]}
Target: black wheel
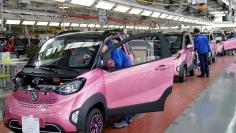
{"points": [[192, 72], [182, 77], [210, 61], [214, 59], [95, 121]]}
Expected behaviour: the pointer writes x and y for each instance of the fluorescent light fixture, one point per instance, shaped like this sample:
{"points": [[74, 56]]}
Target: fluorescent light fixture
{"points": [[165, 28], [176, 18], [156, 28], [117, 26], [105, 26], [59, 0], [156, 14], [121, 8], [105, 5], [220, 12], [0, 21], [83, 25], [63, 7], [163, 15], [135, 11], [121, 27], [219, 15], [28, 22], [175, 27], [146, 13], [185, 20], [65, 24], [42, 23], [54, 24], [16, 22], [98, 26], [130, 27], [111, 26], [181, 19], [74, 25], [83, 2], [170, 17], [91, 25]]}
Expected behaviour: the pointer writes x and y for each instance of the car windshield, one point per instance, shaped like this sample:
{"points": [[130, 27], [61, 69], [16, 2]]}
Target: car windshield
{"points": [[67, 52], [175, 42], [218, 36]]}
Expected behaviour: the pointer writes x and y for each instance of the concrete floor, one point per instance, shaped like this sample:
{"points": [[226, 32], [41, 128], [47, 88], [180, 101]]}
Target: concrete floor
{"points": [[205, 105]]}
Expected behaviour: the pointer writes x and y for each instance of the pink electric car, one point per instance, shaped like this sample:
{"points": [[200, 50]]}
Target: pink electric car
{"points": [[181, 46], [213, 46], [229, 45], [67, 86], [220, 38]]}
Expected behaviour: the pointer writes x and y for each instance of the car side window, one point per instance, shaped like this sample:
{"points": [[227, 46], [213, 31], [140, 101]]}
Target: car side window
{"points": [[187, 41], [145, 50]]}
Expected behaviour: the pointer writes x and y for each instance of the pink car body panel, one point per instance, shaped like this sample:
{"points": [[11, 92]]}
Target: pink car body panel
{"points": [[229, 44], [187, 57], [19, 103], [141, 92]]}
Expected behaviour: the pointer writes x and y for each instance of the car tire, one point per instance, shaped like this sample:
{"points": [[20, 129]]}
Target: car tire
{"points": [[210, 61], [182, 77], [95, 121], [192, 72]]}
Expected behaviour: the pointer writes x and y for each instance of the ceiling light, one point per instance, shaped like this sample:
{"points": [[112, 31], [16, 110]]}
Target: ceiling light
{"points": [[181, 19], [83, 2], [111, 26], [146, 13], [65, 24], [135, 11], [13, 22], [185, 20], [164, 28], [176, 18], [0, 21], [105, 5], [156, 14], [28, 22], [175, 27], [63, 7], [170, 17], [83, 25], [59, 0], [54, 24], [121, 8], [98, 26], [42, 23], [117, 26], [91, 25], [121, 27], [74, 25], [164, 15], [105, 26]]}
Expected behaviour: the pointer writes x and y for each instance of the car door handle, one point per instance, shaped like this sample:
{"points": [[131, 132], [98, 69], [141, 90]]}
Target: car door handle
{"points": [[162, 67]]}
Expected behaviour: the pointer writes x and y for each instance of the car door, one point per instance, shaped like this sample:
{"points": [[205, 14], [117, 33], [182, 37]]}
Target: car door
{"points": [[189, 49], [144, 86]]}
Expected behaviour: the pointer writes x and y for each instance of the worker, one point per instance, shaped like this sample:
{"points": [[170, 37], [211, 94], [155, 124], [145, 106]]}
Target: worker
{"points": [[121, 60], [202, 46]]}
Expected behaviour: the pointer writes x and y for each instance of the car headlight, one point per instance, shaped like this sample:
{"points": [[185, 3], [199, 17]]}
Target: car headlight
{"points": [[176, 56], [71, 87]]}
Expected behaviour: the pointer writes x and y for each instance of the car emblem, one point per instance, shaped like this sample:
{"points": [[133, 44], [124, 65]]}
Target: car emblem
{"points": [[34, 96]]}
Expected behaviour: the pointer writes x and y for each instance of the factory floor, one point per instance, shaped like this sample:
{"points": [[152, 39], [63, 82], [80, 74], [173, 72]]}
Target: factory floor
{"points": [[199, 105]]}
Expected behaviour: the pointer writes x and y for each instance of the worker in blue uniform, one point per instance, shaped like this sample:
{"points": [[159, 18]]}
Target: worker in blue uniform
{"points": [[202, 46]]}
